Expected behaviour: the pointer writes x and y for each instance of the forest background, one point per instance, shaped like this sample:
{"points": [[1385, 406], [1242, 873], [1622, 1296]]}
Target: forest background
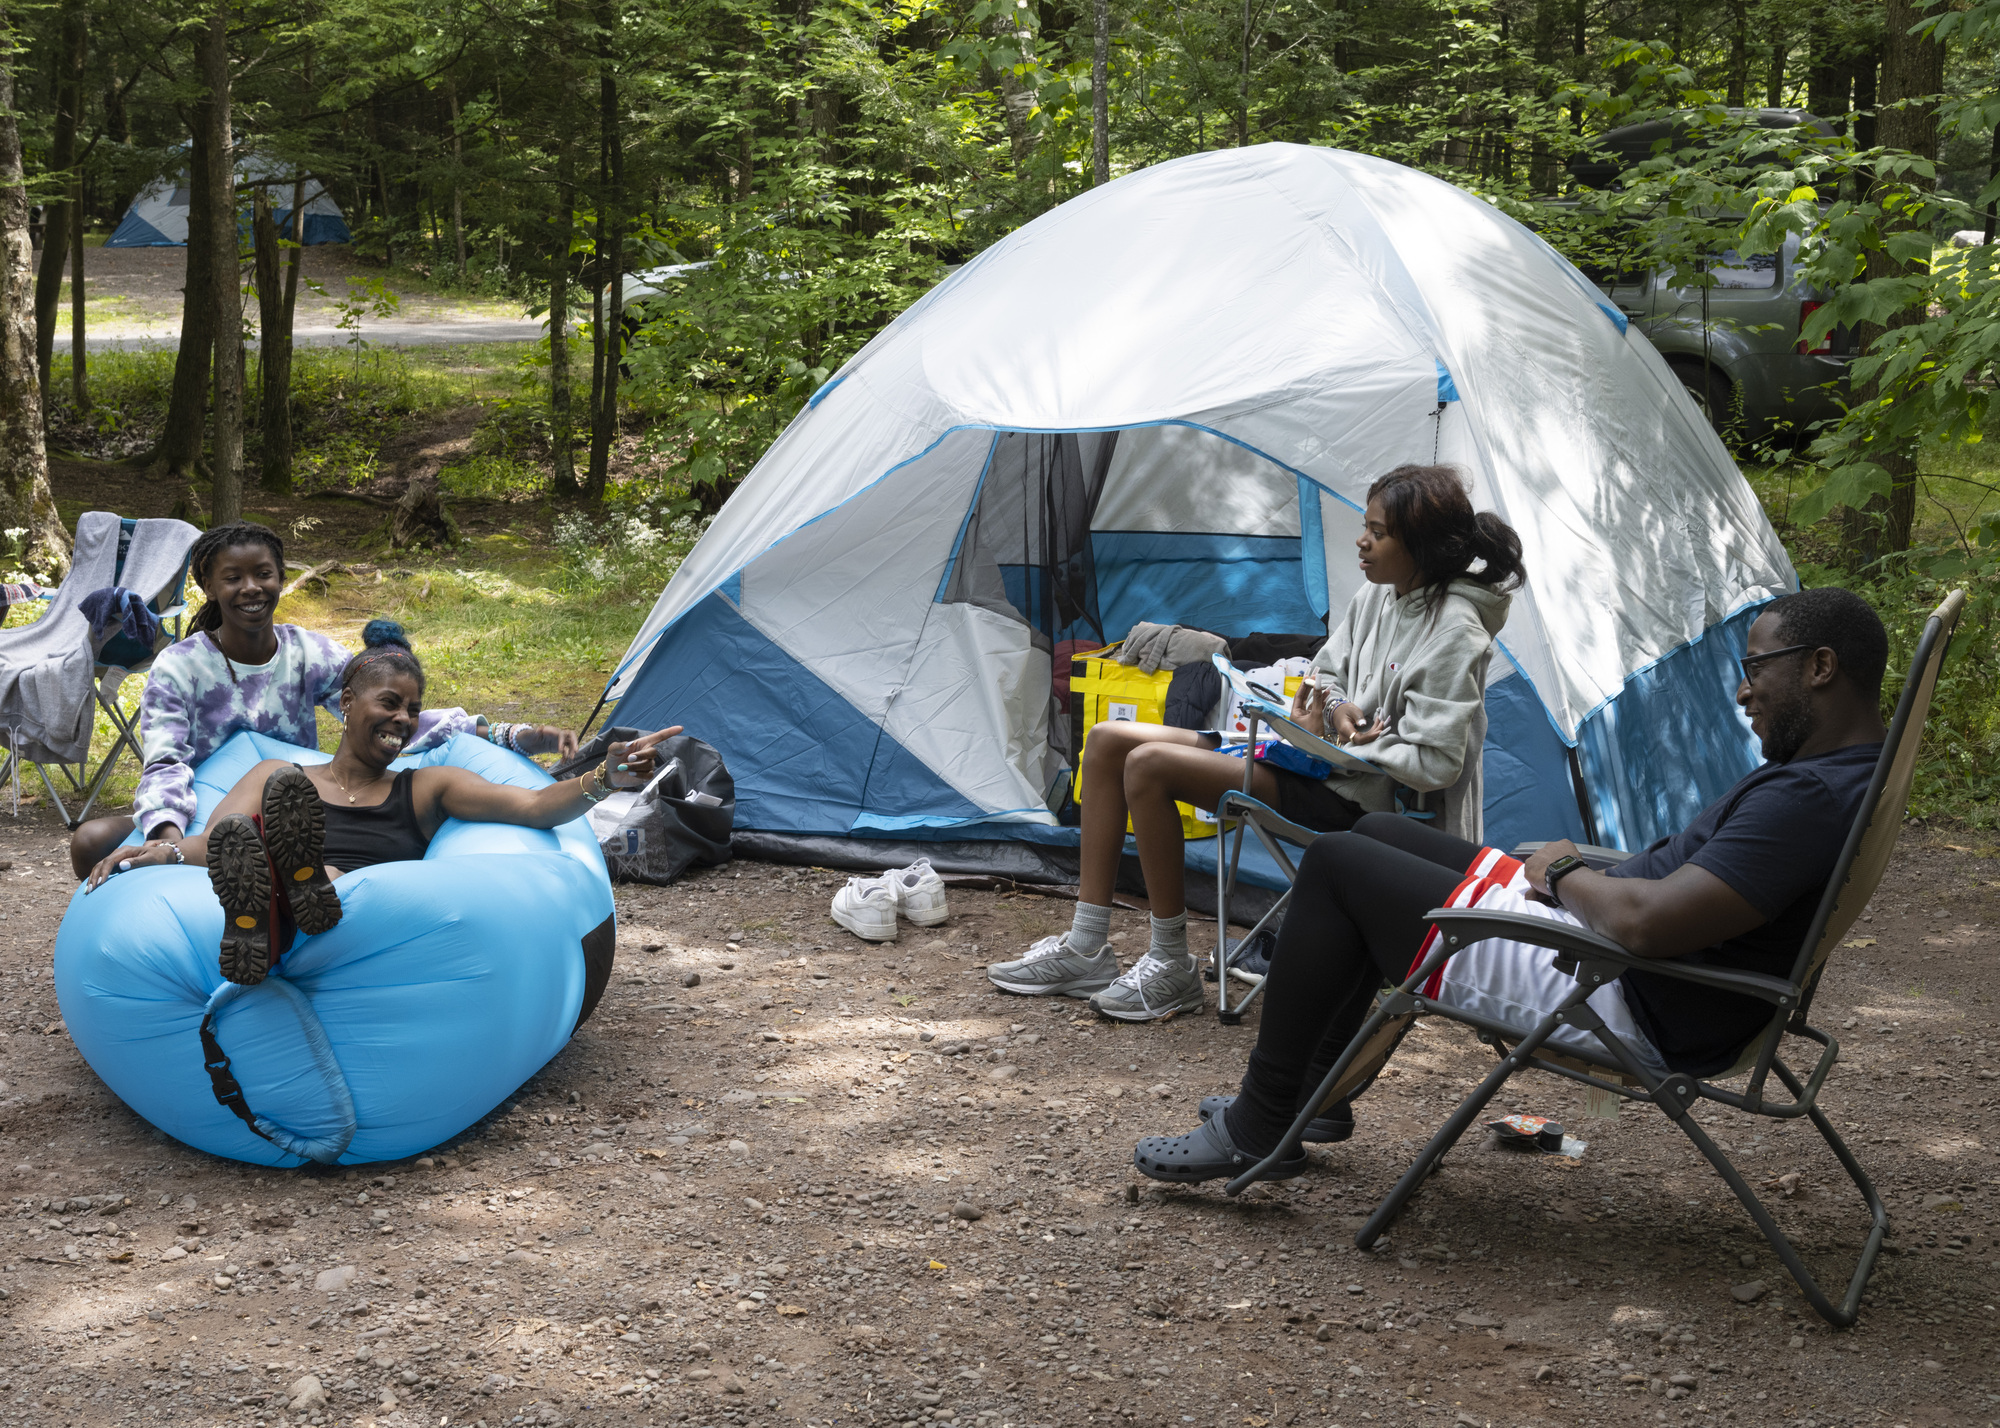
{"points": [[808, 168]]}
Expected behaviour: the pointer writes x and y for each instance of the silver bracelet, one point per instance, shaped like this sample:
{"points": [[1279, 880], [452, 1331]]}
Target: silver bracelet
{"points": [[179, 857]]}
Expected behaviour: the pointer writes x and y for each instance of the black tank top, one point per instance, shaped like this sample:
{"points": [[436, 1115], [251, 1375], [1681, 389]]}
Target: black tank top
{"points": [[388, 832]]}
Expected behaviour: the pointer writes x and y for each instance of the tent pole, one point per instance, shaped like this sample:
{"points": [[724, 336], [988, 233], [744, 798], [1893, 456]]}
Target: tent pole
{"points": [[594, 713], [1582, 797]]}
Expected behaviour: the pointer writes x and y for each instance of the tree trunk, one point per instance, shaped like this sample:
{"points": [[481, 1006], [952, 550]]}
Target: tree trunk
{"points": [[1739, 51], [1774, 78], [561, 436], [1912, 74], [179, 451], [277, 290], [79, 355], [607, 302], [25, 502], [457, 177], [1100, 95], [1865, 68], [1827, 78], [1243, 84], [60, 216], [1992, 173], [225, 274]]}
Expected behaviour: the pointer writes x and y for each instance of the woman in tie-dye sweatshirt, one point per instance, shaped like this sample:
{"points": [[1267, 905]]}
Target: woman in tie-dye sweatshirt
{"points": [[241, 670]]}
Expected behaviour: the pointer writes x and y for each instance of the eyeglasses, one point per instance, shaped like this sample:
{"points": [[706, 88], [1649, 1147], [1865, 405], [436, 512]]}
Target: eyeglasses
{"points": [[1748, 660]]}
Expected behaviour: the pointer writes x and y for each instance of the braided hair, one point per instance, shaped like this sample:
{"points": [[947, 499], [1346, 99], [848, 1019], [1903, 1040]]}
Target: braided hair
{"points": [[385, 651], [210, 544]]}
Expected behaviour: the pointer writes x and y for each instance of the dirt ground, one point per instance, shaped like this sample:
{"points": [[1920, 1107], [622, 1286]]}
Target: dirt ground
{"points": [[136, 292], [733, 1202]]}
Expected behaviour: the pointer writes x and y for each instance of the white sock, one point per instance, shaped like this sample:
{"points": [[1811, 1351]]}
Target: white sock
{"points": [[1170, 937], [1089, 930]]}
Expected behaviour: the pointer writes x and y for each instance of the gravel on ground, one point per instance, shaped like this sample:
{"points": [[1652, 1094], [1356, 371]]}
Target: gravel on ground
{"points": [[783, 1176]]}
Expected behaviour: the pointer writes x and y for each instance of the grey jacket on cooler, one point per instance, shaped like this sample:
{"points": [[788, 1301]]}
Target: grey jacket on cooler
{"points": [[1424, 665]]}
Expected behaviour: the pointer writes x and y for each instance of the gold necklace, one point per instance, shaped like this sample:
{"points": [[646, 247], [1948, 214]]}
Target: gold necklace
{"points": [[343, 787]]}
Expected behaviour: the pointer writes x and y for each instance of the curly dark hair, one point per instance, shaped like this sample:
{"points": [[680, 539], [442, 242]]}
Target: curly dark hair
{"points": [[1429, 510], [210, 544], [385, 651]]}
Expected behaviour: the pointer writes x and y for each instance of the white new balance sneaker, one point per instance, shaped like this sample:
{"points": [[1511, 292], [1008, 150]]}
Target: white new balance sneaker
{"points": [[919, 893], [867, 908]]}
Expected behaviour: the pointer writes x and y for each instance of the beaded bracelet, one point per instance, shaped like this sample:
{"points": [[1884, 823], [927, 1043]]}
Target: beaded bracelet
{"points": [[595, 786]]}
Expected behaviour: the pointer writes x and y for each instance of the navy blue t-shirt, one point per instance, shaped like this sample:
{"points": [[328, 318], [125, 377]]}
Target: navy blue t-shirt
{"points": [[1774, 838]]}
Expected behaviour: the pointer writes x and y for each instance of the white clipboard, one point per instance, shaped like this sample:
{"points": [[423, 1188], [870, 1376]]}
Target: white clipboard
{"points": [[1270, 706]]}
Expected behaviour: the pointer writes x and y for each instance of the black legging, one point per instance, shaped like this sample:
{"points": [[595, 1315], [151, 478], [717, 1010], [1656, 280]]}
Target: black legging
{"points": [[1356, 917]]}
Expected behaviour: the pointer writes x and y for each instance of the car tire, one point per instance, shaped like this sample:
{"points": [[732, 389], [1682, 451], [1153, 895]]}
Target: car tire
{"points": [[1713, 394]]}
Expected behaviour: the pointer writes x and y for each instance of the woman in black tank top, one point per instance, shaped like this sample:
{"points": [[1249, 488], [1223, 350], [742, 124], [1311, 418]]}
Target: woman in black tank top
{"points": [[280, 837]]}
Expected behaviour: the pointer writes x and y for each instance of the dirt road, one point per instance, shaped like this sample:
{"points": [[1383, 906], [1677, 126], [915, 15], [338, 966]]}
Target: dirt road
{"points": [[733, 1202]]}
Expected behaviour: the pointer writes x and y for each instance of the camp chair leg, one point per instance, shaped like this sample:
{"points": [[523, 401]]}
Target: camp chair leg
{"points": [[127, 737], [1849, 1309], [1469, 1110], [1225, 1013]]}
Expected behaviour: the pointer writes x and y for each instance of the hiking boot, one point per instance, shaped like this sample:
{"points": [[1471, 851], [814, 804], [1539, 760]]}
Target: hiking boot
{"points": [[1051, 969], [919, 893], [1153, 989], [867, 908], [295, 834], [240, 872]]}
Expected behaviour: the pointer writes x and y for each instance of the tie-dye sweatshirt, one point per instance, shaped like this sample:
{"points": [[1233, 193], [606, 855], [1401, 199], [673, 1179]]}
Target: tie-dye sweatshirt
{"points": [[196, 698]]}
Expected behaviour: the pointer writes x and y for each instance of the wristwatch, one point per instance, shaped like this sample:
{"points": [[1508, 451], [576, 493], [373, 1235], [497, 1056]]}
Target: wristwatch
{"points": [[1558, 870]]}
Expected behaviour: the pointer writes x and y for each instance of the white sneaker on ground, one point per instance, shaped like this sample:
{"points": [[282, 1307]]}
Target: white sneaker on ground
{"points": [[919, 893], [867, 908]]}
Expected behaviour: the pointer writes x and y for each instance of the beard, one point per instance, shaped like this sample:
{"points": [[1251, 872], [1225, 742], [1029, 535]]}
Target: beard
{"points": [[1787, 726]]}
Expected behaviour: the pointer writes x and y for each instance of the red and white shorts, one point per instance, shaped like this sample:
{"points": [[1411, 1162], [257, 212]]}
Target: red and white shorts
{"points": [[1516, 983]]}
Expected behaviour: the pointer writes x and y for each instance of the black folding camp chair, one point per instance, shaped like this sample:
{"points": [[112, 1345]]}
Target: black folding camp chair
{"points": [[1595, 961]]}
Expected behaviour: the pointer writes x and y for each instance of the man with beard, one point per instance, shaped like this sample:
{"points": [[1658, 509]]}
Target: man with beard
{"points": [[1736, 888]]}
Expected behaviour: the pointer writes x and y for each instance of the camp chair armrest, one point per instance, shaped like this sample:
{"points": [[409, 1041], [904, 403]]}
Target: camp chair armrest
{"points": [[1468, 925], [1592, 855]]}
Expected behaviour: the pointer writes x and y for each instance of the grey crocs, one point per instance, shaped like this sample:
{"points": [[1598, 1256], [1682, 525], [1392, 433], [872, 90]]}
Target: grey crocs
{"points": [[1331, 1126], [1206, 1154]]}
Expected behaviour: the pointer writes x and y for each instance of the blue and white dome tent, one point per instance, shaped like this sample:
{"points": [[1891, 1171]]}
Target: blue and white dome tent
{"points": [[1165, 400], [158, 217], [447, 983]]}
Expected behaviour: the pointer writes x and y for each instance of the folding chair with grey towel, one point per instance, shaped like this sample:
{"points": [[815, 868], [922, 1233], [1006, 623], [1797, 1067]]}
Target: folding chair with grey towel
{"points": [[56, 674], [1273, 830], [1594, 962]]}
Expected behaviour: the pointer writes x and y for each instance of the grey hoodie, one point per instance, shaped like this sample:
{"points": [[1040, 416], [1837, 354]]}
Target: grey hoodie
{"points": [[1425, 667]]}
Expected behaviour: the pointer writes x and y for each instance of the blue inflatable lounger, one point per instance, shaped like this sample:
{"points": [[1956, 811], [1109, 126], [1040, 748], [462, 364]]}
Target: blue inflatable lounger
{"points": [[447, 983]]}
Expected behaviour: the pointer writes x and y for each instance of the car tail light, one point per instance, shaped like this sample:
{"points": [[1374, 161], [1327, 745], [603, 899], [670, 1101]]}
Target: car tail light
{"points": [[1825, 347]]}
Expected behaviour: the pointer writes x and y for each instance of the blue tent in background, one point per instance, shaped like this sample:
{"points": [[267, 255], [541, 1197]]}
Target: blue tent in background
{"points": [[158, 217], [1165, 400]]}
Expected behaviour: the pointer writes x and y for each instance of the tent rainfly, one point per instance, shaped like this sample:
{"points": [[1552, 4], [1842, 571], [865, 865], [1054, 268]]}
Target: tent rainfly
{"points": [[1165, 400], [158, 217]]}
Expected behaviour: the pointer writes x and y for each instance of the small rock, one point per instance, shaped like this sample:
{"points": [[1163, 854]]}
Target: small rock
{"points": [[520, 1256], [223, 1281], [1473, 1319], [424, 1162], [1163, 1090], [692, 979], [1077, 1230], [1544, 1374], [1003, 1073], [1747, 1293], [1369, 1326], [1746, 1259], [738, 1146], [172, 1253], [598, 1148], [1932, 1366], [754, 1205], [927, 1036], [1949, 1204], [1798, 1341], [699, 1350], [1683, 1380], [307, 1395], [332, 1281], [966, 1210], [1323, 1333]]}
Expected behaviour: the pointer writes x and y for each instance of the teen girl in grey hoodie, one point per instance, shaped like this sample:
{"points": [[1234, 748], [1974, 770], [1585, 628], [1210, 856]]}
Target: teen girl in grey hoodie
{"points": [[1402, 678]]}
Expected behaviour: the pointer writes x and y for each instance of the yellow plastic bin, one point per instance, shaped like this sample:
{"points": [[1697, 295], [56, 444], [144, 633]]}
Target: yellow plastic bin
{"points": [[1102, 690]]}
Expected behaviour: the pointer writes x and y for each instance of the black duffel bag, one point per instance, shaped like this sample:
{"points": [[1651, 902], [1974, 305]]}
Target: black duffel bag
{"points": [[683, 817]]}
